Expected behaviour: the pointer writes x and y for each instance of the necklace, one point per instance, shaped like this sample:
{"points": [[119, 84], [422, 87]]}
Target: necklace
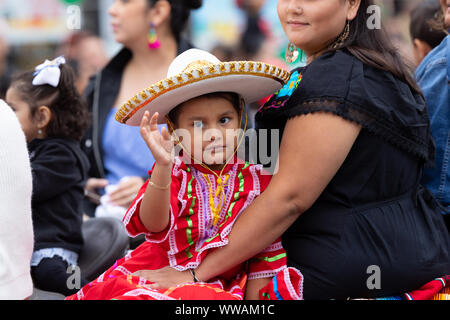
{"points": [[220, 190]]}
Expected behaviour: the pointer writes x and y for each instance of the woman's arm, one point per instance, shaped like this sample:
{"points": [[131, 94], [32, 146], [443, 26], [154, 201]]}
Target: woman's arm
{"points": [[313, 148]]}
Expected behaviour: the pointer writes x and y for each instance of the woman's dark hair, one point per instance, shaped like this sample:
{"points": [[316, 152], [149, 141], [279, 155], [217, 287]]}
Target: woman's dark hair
{"points": [[231, 97], [180, 12], [69, 117], [423, 20], [373, 47]]}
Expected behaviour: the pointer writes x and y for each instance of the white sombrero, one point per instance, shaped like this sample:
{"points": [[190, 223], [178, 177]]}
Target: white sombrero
{"points": [[196, 72]]}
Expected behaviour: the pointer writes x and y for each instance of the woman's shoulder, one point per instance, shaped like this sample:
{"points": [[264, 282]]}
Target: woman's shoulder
{"points": [[340, 83], [341, 75]]}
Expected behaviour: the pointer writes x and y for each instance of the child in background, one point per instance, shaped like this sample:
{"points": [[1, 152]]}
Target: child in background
{"points": [[53, 118], [424, 35], [190, 203], [432, 76]]}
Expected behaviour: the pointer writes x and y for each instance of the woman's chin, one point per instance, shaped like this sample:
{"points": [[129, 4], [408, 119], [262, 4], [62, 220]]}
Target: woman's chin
{"points": [[120, 38]]}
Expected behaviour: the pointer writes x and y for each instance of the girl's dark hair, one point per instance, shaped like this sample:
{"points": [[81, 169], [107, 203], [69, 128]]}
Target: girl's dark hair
{"points": [[423, 21], [180, 12], [69, 117], [232, 97], [373, 47]]}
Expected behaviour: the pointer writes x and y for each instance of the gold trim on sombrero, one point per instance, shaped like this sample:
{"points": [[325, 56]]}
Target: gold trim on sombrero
{"points": [[197, 65], [195, 72]]}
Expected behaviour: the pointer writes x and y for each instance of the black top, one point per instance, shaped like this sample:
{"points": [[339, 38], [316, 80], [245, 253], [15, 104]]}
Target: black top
{"points": [[59, 170], [373, 212], [100, 94]]}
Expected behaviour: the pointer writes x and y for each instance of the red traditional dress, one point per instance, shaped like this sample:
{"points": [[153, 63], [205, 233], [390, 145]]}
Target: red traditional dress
{"points": [[193, 230]]}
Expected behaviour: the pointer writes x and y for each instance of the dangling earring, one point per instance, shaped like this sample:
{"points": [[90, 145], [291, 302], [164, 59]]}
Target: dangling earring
{"points": [[153, 42], [291, 53], [343, 36]]}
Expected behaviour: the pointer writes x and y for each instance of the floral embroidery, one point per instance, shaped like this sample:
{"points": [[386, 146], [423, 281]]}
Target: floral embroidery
{"points": [[280, 98]]}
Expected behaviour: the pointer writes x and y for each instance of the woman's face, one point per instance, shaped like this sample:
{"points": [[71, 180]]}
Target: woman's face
{"points": [[129, 20], [312, 25], [209, 128], [446, 10]]}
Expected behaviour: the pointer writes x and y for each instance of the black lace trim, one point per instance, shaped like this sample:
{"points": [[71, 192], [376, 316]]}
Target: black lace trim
{"points": [[413, 139]]}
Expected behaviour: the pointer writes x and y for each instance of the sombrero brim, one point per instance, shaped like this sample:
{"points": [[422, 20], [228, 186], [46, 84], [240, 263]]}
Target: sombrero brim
{"points": [[252, 80]]}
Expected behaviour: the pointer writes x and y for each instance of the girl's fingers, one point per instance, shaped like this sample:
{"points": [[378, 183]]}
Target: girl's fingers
{"points": [[144, 121], [153, 286], [165, 134], [154, 122]]}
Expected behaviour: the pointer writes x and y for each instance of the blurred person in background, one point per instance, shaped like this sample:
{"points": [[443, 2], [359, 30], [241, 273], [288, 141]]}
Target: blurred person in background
{"points": [[86, 55], [256, 31], [398, 6], [151, 34], [396, 17], [256, 43], [424, 36], [6, 69], [432, 75]]}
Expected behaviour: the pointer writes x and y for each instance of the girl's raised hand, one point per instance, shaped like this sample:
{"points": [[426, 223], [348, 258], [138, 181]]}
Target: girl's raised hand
{"points": [[160, 144]]}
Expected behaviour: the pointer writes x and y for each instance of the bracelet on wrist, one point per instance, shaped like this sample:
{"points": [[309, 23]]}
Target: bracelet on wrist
{"points": [[159, 187], [194, 276]]}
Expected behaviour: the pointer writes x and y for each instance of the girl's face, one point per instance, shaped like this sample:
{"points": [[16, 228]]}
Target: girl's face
{"points": [[210, 127], [129, 20], [312, 25], [23, 113]]}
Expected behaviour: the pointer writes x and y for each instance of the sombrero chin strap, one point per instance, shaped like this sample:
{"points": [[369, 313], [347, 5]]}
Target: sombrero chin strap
{"points": [[219, 181]]}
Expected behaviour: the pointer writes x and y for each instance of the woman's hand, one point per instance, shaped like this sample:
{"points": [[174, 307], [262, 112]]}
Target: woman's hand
{"points": [[91, 187], [160, 144], [165, 278], [126, 191]]}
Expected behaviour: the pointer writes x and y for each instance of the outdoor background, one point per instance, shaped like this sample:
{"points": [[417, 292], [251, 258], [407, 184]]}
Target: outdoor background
{"points": [[32, 30]]}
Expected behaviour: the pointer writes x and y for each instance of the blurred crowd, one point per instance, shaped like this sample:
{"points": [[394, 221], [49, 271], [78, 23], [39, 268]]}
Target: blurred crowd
{"points": [[87, 54]]}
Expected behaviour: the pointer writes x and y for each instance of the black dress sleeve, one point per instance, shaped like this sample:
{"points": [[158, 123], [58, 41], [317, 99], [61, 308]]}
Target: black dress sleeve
{"points": [[339, 83]]}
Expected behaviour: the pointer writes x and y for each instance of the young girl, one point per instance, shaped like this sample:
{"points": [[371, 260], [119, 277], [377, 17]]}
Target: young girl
{"points": [[190, 203], [53, 118]]}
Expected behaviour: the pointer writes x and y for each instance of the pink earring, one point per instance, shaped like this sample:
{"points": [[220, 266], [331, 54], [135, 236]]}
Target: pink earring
{"points": [[153, 42]]}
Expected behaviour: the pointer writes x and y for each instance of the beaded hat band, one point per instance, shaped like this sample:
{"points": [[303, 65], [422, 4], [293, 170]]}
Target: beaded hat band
{"points": [[196, 72]]}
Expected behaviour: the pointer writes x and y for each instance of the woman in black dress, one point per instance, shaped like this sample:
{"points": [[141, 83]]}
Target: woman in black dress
{"points": [[354, 139]]}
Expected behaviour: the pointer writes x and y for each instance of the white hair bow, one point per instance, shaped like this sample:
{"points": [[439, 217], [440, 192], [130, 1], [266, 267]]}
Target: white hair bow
{"points": [[48, 72]]}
